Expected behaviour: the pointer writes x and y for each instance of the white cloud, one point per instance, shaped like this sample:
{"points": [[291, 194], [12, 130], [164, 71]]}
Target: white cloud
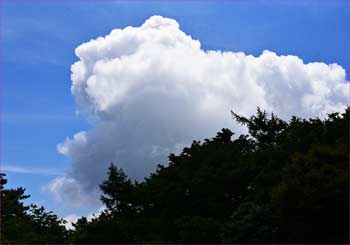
{"points": [[73, 218], [68, 191], [150, 89]]}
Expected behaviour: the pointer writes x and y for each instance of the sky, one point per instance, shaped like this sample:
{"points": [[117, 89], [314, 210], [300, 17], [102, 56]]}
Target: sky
{"points": [[142, 92]]}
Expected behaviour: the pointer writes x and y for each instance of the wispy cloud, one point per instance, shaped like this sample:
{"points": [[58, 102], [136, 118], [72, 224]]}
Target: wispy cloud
{"points": [[31, 170], [15, 118]]}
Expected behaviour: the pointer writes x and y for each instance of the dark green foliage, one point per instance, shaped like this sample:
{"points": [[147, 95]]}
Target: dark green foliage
{"points": [[113, 225], [285, 182], [282, 183], [103, 229], [265, 130], [27, 224], [118, 192], [251, 223], [197, 229]]}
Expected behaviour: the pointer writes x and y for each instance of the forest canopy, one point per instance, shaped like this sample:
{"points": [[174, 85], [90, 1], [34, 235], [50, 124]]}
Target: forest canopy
{"points": [[283, 182]]}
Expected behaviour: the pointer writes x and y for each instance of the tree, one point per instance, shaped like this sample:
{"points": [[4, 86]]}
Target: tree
{"points": [[27, 224], [250, 223], [265, 130], [284, 182], [117, 191]]}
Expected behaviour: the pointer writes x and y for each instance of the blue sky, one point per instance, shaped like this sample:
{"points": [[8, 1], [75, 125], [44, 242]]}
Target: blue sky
{"points": [[38, 41]]}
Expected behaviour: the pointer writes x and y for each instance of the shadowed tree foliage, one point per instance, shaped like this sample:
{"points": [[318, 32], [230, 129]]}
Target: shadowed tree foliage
{"points": [[283, 182], [117, 191], [27, 224]]}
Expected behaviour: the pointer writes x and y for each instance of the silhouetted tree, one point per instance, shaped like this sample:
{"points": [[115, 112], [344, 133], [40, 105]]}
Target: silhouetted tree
{"points": [[284, 182], [27, 224]]}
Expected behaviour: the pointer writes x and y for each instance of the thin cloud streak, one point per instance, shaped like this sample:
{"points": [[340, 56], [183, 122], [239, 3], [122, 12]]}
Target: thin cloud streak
{"points": [[30, 170], [14, 118]]}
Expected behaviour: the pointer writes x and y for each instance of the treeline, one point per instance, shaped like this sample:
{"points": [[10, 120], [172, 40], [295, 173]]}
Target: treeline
{"points": [[284, 182], [27, 223]]}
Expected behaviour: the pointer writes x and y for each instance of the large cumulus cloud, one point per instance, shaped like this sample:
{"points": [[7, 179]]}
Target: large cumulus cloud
{"points": [[150, 90]]}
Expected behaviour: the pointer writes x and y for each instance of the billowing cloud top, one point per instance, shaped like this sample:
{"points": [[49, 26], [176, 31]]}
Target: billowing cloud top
{"points": [[152, 89]]}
